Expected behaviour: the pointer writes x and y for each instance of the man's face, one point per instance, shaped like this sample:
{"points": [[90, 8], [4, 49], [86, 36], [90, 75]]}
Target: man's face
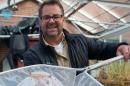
{"points": [[51, 21]]}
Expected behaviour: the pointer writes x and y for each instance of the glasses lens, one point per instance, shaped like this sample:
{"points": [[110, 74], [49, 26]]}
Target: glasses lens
{"points": [[54, 17]]}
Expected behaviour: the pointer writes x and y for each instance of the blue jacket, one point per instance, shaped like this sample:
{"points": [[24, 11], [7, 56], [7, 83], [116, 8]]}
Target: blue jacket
{"points": [[80, 48]]}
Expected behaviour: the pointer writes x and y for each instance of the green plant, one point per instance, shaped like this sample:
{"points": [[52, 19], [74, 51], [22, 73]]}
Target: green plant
{"points": [[118, 71]]}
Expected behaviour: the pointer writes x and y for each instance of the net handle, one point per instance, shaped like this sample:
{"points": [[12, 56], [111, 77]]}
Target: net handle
{"points": [[103, 63]]}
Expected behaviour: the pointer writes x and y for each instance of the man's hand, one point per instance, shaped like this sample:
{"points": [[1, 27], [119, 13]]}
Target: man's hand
{"points": [[124, 50]]}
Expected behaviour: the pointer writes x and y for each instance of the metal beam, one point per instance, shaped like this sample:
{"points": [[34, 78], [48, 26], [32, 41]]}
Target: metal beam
{"points": [[86, 15], [113, 3], [5, 5], [116, 31], [73, 7], [21, 16], [75, 10], [86, 35], [109, 11], [88, 28]]}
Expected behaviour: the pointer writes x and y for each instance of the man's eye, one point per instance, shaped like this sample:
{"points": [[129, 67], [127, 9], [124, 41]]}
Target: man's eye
{"points": [[56, 17], [46, 17]]}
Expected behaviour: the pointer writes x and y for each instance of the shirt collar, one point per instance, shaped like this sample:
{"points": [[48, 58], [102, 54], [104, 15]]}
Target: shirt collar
{"points": [[46, 43]]}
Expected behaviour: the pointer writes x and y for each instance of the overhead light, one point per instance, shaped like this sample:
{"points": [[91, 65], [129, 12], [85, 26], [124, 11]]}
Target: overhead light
{"points": [[14, 8], [41, 1]]}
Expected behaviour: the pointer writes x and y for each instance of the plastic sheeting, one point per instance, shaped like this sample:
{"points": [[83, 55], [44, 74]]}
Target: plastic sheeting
{"points": [[46, 75]]}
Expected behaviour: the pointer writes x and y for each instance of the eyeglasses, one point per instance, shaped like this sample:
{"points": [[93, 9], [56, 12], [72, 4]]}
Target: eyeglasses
{"points": [[54, 17]]}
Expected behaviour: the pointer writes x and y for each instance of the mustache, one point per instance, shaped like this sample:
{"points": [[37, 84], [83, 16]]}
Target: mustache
{"points": [[52, 26]]}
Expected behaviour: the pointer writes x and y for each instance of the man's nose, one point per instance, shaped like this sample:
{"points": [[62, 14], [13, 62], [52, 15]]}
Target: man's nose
{"points": [[51, 20]]}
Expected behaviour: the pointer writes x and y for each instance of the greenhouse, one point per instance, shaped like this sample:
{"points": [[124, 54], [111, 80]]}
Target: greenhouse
{"points": [[64, 42]]}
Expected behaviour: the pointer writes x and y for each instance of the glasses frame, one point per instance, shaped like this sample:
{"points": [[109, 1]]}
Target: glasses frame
{"points": [[55, 17]]}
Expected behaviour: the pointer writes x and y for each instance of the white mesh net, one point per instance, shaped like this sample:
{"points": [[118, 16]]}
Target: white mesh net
{"points": [[45, 75]]}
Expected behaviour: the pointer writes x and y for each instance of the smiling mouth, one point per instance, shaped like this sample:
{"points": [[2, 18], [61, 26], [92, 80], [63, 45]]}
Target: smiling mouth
{"points": [[52, 27], [52, 30]]}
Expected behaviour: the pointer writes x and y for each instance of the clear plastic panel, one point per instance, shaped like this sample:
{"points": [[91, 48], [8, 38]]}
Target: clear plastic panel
{"points": [[45, 75]]}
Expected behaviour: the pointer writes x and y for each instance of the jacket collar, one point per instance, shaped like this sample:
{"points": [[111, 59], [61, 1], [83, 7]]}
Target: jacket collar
{"points": [[68, 37]]}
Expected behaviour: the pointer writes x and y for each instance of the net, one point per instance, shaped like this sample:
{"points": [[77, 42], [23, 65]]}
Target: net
{"points": [[46, 75]]}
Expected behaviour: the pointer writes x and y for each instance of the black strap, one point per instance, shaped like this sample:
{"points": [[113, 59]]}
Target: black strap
{"points": [[18, 45]]}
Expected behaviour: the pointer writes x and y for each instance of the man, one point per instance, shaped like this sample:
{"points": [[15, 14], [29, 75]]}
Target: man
{"points": [[58, 47]]}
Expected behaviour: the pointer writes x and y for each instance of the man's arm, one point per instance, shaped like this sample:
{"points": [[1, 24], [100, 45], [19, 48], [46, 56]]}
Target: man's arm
{"points": [[100, 50], [105, 50]]}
